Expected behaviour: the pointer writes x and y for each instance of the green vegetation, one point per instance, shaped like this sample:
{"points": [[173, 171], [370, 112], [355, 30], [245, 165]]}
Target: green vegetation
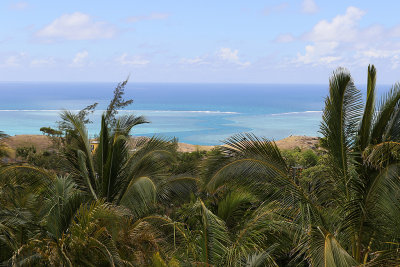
{"points": [[25, 152], [142, 203], [4, 149], [50, 131]]}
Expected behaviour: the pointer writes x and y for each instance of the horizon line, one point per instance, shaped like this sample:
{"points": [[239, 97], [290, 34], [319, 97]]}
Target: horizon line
{"points": [[146, 82]]}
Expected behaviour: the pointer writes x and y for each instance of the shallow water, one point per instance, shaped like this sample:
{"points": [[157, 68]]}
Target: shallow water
{"points": [[201, 114]]}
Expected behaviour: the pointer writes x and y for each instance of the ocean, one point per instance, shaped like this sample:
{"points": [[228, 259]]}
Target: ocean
{"points": [[201, 114]]}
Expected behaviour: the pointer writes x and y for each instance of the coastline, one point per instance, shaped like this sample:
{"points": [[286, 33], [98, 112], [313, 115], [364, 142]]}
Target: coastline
{"points": [[42, 142]]}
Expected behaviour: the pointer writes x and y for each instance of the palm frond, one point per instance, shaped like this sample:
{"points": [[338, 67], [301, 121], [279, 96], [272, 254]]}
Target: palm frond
{"points": [[342, 113], [247, 145], [151, 158], [81, 156], [102, 152], [31, 177], [260, 259], [386, 120], [61, 204], [125, 123], [233, 206], [260, 232], [176, 188], [140, 197], [213, 237], [364, 133], [325, 250], [113, 171], [382, 154]]}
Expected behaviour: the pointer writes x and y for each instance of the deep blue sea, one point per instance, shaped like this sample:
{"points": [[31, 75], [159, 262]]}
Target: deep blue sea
{"points": [[203, 114]]}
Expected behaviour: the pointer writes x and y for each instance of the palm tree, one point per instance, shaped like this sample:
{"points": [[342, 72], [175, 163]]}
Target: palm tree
{"points": [[366, 195], [100, 204], [20, 205], [349, 217], [134, 177], [229, 223], [217, 240], [47, 220]]}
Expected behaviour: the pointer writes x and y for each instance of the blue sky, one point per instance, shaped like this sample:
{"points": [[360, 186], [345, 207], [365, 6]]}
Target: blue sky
{"points": [[298, 41]]}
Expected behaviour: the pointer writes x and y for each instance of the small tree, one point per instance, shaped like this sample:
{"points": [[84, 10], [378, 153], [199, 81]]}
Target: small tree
{"points": [[65, 126], [50, 131], [117, 103]]}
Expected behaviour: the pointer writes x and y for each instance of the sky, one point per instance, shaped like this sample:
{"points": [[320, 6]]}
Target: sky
{"points": [[296, 41]]}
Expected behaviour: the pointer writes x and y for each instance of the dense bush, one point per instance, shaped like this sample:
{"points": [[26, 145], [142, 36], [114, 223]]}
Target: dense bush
{"points": [[25, 151], [297, 157]]}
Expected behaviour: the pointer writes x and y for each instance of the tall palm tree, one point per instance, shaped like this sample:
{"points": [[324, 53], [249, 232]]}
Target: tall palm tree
{"points": [[366, 195], [349, 218]]}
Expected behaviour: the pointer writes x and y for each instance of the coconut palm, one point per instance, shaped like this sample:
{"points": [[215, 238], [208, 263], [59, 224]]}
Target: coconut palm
{"points": [[231, 223], [208, 240], [257, 166], [20, 205], [47, 220], [366, 195], [349, 218], [133, 176]]}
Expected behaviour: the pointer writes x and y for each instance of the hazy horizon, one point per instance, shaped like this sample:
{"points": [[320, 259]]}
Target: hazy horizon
{"points": [[182, 83]]}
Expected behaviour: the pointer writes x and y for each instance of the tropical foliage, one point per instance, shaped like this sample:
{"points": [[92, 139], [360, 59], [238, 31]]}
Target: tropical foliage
{"points": [[139, 202], [4, 149]]}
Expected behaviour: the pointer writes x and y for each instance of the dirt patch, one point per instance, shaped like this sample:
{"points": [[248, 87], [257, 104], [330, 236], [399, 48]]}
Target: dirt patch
{"points": [[42, 142], [183, 147], [303, 142]]}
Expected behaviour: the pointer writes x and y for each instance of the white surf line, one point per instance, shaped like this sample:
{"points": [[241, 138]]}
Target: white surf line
{"points": [[296, 112], [141, 111]]}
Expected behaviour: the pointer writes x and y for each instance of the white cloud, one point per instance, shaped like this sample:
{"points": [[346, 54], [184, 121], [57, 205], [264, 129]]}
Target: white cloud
{"points": [[43, 62], [284, 38], [343, 28], [193, 61], [220, 58], [342, 41], [152, 16], [124, 59], [319, 53], [14, 60], [309, 7], [393, 56], [231, 56], [23, 60], [80, 59], [376, 53], [76, 26], [395, 32]]}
